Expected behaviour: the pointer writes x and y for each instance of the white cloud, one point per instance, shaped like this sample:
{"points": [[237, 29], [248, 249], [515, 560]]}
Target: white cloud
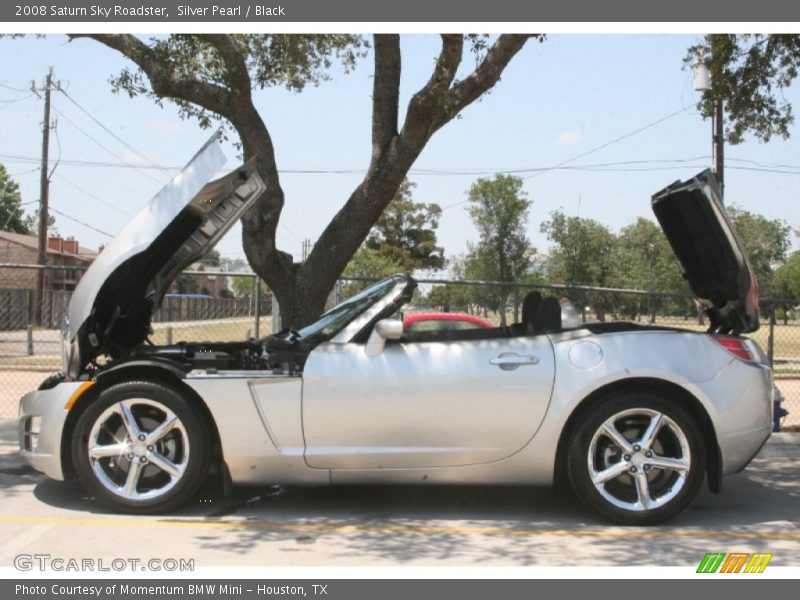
{"points": [[569, 137]]}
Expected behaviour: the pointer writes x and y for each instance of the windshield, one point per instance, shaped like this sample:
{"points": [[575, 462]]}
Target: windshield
{"points": [[337, 318]]}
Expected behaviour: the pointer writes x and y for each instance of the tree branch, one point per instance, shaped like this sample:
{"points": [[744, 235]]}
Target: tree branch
{"points": [[428, 99], [485, 76], [163, 79], [385, 92], [239, 80]]}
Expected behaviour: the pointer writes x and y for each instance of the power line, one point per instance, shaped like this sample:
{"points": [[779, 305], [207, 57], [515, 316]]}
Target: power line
{"points": [[85, 163], [113, 134], [622, 137], [66, 216], [8, 87], [23, 173], [106, 148], [58, 158], [94, 197], [7, 103]]}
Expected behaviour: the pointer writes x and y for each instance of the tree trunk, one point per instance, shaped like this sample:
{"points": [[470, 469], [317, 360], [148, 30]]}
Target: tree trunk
{"points": [[302, 288]]}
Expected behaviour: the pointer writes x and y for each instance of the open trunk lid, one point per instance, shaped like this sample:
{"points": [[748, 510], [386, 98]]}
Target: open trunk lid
{"points": [[703, 238]]}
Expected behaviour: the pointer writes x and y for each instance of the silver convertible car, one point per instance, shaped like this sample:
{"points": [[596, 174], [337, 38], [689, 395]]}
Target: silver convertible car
{"points": [[634, 417]]}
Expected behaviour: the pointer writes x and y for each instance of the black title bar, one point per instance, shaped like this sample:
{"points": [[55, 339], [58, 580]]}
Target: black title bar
{"points": [[471, 11]]}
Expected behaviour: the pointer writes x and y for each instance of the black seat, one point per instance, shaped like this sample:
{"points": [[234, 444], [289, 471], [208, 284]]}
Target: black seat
{"points": [[530, 306], [548, 316]]}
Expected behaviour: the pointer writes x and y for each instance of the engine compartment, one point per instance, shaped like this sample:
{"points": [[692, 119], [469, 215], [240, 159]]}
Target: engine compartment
{"points": [[282, 353]]}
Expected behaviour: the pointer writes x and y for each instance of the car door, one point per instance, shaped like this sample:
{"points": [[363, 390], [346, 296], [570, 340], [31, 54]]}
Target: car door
{"points": [[424, 404]]}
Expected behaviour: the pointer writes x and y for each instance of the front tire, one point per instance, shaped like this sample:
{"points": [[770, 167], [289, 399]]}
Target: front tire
{"points": [[142, 447], [637, 458]]}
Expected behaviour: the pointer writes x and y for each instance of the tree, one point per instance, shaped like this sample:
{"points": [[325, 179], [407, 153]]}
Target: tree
{"points": [[499, 209], [211, 259], [642, 258], [212, 78], [787, 279], [749, 73], [581, 251], [12, 217], [582, 255], [32, 223], [242, 286], [370, 265], [766, 242], [406, 232]]}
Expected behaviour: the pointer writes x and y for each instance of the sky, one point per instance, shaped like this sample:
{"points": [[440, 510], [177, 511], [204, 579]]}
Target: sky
{"points": [[623, 99]]}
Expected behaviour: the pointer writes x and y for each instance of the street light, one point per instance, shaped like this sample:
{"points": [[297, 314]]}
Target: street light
{"points": [[703, 83]]}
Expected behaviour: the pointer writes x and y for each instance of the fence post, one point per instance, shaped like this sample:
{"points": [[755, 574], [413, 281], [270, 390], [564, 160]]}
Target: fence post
{"points": [[30, 340], [258, 304], [276, 314], [771, 337]]}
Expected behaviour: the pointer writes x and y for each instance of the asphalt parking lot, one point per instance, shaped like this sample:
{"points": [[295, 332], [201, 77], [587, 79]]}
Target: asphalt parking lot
{"points": [[758, 511]]}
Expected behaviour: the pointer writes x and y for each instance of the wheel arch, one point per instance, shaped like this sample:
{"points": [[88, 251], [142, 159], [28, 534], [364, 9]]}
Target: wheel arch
{"points": [[669, 389], [155, 371]]}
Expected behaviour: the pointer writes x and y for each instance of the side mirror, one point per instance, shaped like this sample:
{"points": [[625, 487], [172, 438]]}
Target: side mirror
{"points": [[389, 329], [385, 329]]}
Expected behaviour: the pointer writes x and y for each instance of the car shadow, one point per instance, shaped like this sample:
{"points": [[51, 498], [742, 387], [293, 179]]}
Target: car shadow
{"points": [[467, 524]]}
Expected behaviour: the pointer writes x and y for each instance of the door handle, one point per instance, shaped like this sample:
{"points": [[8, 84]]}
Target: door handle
{"points": [[508, 361]]}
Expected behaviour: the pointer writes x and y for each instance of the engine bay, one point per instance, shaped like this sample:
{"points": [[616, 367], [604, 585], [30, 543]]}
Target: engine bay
{"points": [[282, 353]]}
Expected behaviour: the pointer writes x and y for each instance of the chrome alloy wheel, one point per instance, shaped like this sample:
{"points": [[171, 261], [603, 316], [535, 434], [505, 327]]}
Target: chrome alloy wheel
{"points": [[138, 449], [638, 459]]}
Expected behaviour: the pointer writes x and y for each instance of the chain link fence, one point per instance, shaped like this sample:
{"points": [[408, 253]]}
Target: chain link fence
{"points": [[223, 306]]}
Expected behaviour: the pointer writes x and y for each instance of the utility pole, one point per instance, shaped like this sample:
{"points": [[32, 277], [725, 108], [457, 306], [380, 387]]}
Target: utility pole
{"points": [[704, 82], [718, 136], [44, 189]]}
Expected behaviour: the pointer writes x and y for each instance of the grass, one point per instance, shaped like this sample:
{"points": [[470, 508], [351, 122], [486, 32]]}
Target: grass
{"points": [[221, 330]]}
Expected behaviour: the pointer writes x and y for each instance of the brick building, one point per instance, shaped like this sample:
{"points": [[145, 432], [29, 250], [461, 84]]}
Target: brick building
{"points": [[18, 248], [200, 283]]}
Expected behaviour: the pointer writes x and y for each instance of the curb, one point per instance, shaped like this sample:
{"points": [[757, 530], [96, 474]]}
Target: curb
{"points": [[8, 432], [782, 445]]}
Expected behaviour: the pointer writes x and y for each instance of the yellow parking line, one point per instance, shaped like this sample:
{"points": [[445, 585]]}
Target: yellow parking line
{"points": [[421, 529]]}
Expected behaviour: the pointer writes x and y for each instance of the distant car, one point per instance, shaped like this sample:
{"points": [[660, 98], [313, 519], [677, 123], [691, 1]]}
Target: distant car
{"points": [[636, 417], [417, 322]]}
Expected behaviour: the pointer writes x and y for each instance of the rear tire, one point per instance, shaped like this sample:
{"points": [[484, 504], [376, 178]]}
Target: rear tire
{"points": [[636, 458], [142, 447]]}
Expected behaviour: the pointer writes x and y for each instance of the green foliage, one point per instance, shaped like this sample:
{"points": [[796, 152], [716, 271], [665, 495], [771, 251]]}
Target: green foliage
{"points": [[211, 258], [32, 223], [749, 73], [642, 258], [406, 232], [242, 286], [766, 242], [186, 284], [786, 281], [370, 264], [291, 61], [448, 298], [12, 217], [499, 209], [582, 254]]}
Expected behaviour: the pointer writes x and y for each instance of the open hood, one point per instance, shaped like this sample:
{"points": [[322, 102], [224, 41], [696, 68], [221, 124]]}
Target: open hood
{"points": [[709, 249], [111, 308]]}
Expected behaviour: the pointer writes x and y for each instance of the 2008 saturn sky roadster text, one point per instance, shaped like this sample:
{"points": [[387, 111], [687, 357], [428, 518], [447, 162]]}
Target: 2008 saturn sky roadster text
{"points": [[636, 417]]}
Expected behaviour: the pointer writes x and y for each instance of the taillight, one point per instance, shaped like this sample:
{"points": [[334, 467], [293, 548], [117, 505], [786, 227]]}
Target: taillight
{"points": [[736, 346]]}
